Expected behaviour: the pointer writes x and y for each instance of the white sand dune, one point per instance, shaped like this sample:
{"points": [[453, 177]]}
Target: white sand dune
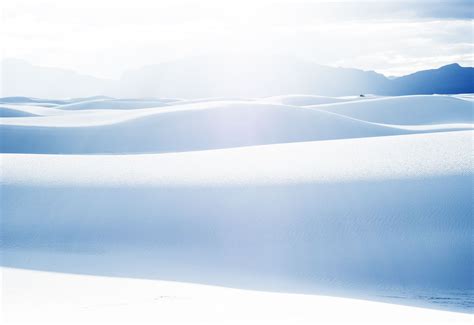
{"points": [[469, 97], [16, 110], [116, 104], [374, 213], [9, 112], [211, 99], [307, 100], [189, 126], [420, 109], [18, 100], [181, 128], [368, 199], [322, 161], [132, 301]]}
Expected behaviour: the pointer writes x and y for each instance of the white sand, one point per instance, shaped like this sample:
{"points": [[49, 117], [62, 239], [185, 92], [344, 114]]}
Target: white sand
{"points": [[32, 297], [383, 200]]}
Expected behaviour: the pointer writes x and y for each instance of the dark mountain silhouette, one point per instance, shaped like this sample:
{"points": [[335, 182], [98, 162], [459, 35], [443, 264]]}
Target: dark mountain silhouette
{"points": [[231, 76], [450, 79]]}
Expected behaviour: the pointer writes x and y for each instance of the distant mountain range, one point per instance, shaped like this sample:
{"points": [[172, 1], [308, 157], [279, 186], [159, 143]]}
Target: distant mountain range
{"points": [[230, 76]]}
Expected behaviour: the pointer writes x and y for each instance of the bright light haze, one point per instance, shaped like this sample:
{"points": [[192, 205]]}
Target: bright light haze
{"points": [[104, 38]]}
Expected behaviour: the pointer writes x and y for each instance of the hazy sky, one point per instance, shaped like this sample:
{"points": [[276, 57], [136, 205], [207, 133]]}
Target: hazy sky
{"points": [[106, 37]]}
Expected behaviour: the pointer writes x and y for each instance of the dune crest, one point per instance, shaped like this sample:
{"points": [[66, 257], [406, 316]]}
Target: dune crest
{"points": [[215, 123]]}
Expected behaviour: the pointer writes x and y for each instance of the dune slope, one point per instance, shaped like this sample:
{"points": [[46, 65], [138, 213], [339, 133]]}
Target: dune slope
{"points": [[120, 126], [305, 100], [201, 126], [384, 213], [115, 104], [407, 110], [134, 301]]}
